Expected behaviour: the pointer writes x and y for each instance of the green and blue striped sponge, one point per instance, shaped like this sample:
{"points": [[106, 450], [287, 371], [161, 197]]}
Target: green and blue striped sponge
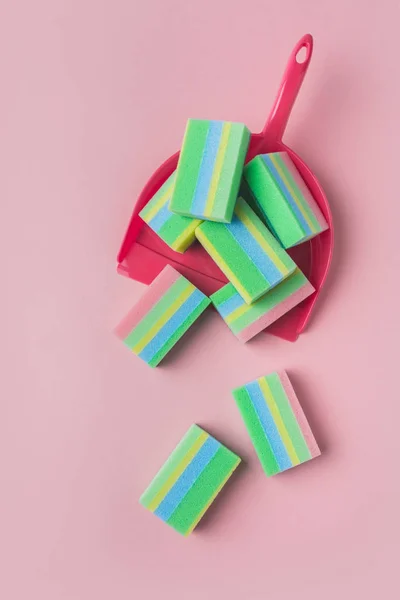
{"points": [[246, 252], [169, 306], [210, 169], [175, 230], [189, 481], [247, 320], [284, 199], [276, 423]]}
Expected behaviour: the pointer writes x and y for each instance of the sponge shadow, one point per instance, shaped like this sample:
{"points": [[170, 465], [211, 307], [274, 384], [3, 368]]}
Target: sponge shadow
{"points": [[314, 416]]}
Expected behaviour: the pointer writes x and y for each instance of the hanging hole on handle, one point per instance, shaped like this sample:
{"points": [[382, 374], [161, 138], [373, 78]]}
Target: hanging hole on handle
{"points": [[302, 55]]}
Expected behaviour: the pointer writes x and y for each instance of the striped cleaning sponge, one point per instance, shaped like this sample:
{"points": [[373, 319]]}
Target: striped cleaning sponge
{"points": [[187, 484], [169, 306], [173, 229], [209, 169], [248, 254], [276, 423], [284, 199], [245, 320]]}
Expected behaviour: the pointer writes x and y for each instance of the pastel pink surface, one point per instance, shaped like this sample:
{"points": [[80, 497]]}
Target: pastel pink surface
{"points": [[94, 96], [150, 297], [299, 413], [305, 191], [278, 311]]}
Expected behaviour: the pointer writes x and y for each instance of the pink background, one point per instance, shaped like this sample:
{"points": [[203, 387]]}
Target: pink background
{"points": [[95, 95]]}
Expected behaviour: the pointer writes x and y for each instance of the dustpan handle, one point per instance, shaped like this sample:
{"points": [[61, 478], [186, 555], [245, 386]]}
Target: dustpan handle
{"points": [[290, 86]]}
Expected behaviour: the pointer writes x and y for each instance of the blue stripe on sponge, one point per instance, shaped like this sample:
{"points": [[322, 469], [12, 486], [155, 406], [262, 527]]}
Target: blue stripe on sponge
{"points": [[249, 244], [206, 167], [160, 218], [158, 341], [183, 484], [268, 425], [228, 306], [292, 202]]}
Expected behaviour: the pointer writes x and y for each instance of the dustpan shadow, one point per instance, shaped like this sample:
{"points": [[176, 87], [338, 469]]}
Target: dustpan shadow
{"points": [[323, 117]]}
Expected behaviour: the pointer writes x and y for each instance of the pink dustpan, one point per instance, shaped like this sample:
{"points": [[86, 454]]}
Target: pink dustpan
{"points": [[143, 254]]}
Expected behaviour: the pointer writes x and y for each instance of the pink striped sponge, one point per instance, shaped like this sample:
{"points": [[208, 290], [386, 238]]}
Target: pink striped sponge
{"points": [[170, 305], [247, 320], [275, 421]]}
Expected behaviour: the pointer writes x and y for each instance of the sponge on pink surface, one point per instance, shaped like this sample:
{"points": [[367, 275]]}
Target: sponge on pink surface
{"points": [[189, 481], [276, 423], [169, 306]]}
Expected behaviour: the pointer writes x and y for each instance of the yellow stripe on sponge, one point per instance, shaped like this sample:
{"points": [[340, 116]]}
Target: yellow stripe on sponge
{"points": [[260, 239], [280, 425], [292, 191], [164, 318], [219, 161], [221, 263], [160, 202], [238, 312], [172, 479], [183, 240]]}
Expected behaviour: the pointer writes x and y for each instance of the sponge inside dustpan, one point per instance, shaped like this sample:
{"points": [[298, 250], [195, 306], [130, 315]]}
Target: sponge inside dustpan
{"points": [[284, 199], [249, 255], [173, 229], [245, 320]]}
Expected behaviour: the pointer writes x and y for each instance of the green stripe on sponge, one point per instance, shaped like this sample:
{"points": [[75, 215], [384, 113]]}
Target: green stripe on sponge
{"points": [[246, 321], [244, 209], [170, 465], [282, 196], [209, 170], [269, 301], [284, 430], [231, 172], [246, 252], [157, 311], [255, 430], [179, 232], [175, 230], [288, 417], [162, 315], [232, 260], [203, 491], [195, 314], [191, 478], [189, 164], [288, 169]]}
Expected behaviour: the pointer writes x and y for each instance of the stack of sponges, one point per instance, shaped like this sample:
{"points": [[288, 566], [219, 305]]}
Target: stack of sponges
{"points": [[203, 199]]}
